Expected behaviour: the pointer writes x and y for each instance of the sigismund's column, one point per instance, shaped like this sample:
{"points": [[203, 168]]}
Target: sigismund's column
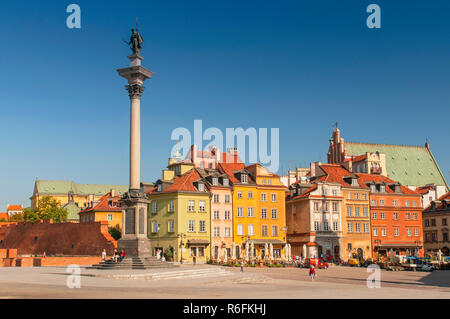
{"points": [[134, 203]]}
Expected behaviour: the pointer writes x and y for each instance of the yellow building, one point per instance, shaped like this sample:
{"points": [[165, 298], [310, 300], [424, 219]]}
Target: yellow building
{"points": [[104, 209], [67, 191], [259, 222]]}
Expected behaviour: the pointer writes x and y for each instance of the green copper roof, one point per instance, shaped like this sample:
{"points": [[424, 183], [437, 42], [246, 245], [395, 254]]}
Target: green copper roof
{"points": [[409, 165], [46, 187], [72, 210]]}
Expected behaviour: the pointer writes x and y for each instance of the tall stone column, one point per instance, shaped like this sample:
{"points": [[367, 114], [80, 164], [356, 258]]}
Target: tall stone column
{"points": [[134, 203]]}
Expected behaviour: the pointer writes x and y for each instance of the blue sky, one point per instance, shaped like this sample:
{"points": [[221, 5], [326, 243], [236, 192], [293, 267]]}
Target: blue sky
{"points": [[294, 65]]}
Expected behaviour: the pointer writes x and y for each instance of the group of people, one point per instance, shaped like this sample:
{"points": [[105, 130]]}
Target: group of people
{"points": [[117, 256]]}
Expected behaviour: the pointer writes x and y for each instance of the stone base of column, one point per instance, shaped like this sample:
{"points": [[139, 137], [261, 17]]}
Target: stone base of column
{"points": [[138, 247]]}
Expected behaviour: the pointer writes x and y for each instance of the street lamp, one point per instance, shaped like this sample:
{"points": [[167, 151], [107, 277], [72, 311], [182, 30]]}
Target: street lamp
{"points": [[181, 235]]}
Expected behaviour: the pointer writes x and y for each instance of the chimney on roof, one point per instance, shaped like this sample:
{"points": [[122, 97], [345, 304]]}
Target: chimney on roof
{"points": [[113, 192], [233, 150], [427, 145]]}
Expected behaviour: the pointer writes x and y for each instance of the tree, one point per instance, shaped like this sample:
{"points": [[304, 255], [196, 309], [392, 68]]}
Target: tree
{"points": [[30, 215], [115, 233], [16, 218], [50, 208]]}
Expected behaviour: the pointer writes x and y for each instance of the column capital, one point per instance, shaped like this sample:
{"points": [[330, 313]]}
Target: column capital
{"points": [[135, 91]]}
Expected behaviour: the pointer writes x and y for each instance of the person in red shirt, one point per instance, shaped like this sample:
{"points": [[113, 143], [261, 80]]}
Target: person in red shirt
{"points": [[312, 272]]}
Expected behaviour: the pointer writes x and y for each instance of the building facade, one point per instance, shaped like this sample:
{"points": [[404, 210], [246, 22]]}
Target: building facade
{"points": [[436, 219], [105, 209]]}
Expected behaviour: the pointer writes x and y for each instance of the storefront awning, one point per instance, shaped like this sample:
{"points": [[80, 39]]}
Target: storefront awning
{"points": [[198, 242], [388, 246], [266, 241]]}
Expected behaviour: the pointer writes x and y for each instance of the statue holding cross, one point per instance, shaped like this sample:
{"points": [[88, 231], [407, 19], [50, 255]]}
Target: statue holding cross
{"points": [[136, 40]]}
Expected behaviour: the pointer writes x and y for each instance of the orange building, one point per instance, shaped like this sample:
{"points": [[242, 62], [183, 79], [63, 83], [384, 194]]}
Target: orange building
{"points": [[105, 209], [396, 217]]}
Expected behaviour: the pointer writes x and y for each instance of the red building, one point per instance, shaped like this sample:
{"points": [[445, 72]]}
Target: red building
{"points": [[396, 218]]}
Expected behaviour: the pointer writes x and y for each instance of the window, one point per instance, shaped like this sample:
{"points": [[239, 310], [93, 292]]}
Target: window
{"points": [[358, 227], [383, 231], [414, 203], [191, 206], [244, 178], [356, 195], [374, 202], [274, 231], [364, 196], [216, 215], [382, 215], [416, 232], [215, 181], [250, 212], [201, 205], [335, 206], [274, 213], [226, 182], [415, 216], [349, 211], [201, 251], [350, 227], [155, 207], [240, 230], [227, 199], [408, 216], [201, 187], [375, 231], [274, 197], [171, 205], [154, 226], [335, 226], [202, 226], [396, 216], [269, 181], [251, 230], [366, 227], [326, 206], [316, 226], [316, 206], [349, 195], [227, 232], [264, 213], [191, 225], [396, 232], [374, 215], [239, 194], [395, 202], [444, 221], [250, 195], [433, 222], [216, 198], [227, 215], [326, 226], [408, 232], [407, 203], [427, 222], [263, 197], [171, 226], [264, 231], [110, 217], [357, 211], [159, 187], [381, 202], [355, 181], [445, 237], [365, 211], [334, 192], [382, 188], [240, 212], [264, 181]]}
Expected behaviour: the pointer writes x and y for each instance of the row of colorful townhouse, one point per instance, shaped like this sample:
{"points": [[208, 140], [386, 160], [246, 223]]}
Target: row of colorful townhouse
{"points": [[339, 214], [211, 206]]}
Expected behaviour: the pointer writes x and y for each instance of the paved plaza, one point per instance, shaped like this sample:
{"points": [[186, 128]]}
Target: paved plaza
{"points": [[205, 281]]}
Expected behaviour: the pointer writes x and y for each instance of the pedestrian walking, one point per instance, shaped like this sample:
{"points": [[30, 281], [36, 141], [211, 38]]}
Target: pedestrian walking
{"points": [[312, 272], [242, 266], [104, 255]]}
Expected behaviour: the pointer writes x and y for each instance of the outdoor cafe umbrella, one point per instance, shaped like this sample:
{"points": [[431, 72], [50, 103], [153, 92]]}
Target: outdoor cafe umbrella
{"points": [[247, 250], [407, 252], [252, 249], [225, 257], [271, 251], [233, 251], [266, 248], [439, 254], [304, 251]]}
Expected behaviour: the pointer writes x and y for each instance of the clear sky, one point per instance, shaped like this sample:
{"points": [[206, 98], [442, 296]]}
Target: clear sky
{"points": [[294, 65]]}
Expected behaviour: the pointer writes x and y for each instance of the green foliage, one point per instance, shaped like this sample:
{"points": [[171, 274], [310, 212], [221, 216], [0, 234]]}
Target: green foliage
{"points": [[2, 220], [115, 233], [50, 208], [168, 252], [31, 215], [16, 218]]}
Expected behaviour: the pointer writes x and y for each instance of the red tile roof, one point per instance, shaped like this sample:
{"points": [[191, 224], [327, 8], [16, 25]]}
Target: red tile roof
{"points": [[230, 168], [103, 204], [423, 189], [363, 178], [305, 194], [4, 216], [14, 207], [445, 196], [183, 182]]}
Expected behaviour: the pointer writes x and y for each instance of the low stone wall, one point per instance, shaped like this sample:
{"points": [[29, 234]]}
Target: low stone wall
{"points": [[72, 239], [50, 261]]}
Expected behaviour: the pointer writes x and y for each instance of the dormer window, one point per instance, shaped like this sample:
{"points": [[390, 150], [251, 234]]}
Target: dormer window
{"points": [[373, 188], [159, 187], [244, 178], [226, 182], [215, 181], [201, 187], [354, 182], [382, 188]]}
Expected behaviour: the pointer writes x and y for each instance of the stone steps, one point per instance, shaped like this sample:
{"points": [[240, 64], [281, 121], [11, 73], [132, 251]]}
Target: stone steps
{"points": [[133, 263], [176, 274]]}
